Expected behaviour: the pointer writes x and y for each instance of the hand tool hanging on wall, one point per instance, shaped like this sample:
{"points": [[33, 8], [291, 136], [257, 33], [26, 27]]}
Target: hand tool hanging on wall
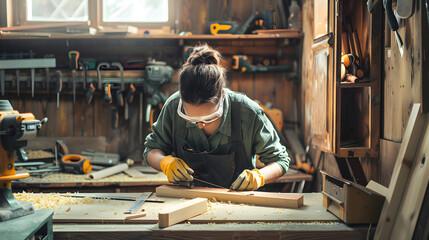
{"points": [[17, 81], [48, 80], [393, 22], [28, 64], [156, 75], [58, 85], [85, 73], [2, 79], [74, 58], [120, 93], [371, 5]]}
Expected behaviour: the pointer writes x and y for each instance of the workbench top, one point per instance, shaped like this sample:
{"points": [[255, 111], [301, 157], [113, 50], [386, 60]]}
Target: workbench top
{"points": [[105, 218], [121, 182]]}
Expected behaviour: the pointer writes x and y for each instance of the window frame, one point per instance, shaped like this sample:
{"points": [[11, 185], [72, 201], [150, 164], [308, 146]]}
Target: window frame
{"points": [[95, 16]]}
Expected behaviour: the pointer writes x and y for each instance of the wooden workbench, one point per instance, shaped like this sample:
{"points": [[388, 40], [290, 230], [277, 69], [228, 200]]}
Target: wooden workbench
{"points": [[223, 220], [63, 182]]}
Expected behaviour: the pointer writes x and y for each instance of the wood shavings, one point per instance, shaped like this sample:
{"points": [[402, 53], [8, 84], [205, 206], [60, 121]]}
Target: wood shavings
{"points": [[51, 200], [39, 154]]}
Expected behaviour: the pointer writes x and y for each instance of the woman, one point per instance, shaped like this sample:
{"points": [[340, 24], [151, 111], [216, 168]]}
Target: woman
{"points": [[208, 132]]}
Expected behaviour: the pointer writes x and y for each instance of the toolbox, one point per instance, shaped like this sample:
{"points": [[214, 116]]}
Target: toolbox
{"points": [[350, 201]]}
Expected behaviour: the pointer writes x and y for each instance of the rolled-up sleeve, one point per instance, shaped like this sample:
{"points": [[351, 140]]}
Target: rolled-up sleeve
{"points": [[161, 135], [267, 144]]}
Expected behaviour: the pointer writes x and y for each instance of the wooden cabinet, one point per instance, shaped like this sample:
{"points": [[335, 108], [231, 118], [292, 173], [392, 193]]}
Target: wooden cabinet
{"points": [[345, 115]]}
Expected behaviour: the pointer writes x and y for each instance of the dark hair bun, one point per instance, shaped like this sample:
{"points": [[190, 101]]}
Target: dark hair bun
{"points": [[204, 55]]}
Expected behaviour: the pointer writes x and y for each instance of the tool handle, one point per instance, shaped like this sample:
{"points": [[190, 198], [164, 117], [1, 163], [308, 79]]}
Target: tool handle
{"points": [[119, 98], [107, 93], [131, 92], [90, 93], [58, 81], [390, 15], [115, 118], [74, 57], [75, 164], [85, 73]]}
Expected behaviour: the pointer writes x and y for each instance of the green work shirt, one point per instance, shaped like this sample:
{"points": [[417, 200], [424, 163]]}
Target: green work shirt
{"points": [[259, 135]]}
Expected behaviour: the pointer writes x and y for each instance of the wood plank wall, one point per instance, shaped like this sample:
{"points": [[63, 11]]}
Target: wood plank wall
{"points": [[81, 119], [401, 87]]}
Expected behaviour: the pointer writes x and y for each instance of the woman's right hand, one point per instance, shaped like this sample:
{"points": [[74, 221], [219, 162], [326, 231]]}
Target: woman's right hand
{"points": [[176, 169]]}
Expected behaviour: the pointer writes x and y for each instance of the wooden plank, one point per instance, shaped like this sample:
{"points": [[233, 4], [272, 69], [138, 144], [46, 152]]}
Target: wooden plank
{"points": [[401, 171], [182, 212], [41, 26], [414, 191], [283, 200], [388, 153], [133, 172]]}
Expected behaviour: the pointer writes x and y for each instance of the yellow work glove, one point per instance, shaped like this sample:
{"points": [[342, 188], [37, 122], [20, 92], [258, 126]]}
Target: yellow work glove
{"points": [[176, 169], [248, 180]]}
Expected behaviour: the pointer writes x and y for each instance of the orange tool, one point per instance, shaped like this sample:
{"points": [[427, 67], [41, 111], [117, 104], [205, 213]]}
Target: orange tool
{"points": [[76, 164]]}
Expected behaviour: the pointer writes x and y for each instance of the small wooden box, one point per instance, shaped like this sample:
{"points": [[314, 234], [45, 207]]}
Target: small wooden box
{"points": [[351, 202]]}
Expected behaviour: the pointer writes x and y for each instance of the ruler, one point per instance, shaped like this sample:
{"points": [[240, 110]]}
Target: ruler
{"points": [[138, 203]]}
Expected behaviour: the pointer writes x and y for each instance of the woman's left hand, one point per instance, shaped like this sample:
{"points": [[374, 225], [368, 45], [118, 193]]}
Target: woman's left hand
{"points": [[248, 180]]}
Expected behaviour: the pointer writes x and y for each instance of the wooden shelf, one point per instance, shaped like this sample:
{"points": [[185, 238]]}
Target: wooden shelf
{"points": [[174, 37], [356, 85]]}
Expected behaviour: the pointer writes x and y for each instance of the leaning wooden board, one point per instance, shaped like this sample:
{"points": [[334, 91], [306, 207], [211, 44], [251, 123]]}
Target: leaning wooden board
{"points": [[111, 211], [268, 199]]}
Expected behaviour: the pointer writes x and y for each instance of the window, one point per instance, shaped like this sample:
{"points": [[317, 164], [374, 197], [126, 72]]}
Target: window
{"points": [[57, 10], [138, 13], [135, 11]]}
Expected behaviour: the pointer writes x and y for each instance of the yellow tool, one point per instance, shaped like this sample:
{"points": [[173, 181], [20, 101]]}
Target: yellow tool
{"points": [[15, 130], [74, 163], [223, 27]]}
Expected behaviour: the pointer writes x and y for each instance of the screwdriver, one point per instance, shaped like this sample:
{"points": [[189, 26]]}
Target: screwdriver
{"points": [[75, 164], [58, 85]]}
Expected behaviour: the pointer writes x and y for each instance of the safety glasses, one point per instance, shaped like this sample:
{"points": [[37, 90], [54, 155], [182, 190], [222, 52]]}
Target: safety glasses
{"points": [[204, 119]]}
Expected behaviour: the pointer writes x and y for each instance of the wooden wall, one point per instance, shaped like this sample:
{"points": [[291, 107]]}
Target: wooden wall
{"points": [[401, 87], [81, 119]]}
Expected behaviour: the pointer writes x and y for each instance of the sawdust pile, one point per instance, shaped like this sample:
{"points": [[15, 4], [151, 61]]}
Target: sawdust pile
{"points": [[39, 154], [50, 200]]}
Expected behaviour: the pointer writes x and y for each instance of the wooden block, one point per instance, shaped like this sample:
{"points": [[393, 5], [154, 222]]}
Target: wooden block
{"points": [[134, 173], [378, 188], [268, 199], [182, 212]]}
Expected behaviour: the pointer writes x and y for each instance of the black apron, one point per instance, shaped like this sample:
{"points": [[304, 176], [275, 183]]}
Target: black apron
{"points": [[222, 165]]}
